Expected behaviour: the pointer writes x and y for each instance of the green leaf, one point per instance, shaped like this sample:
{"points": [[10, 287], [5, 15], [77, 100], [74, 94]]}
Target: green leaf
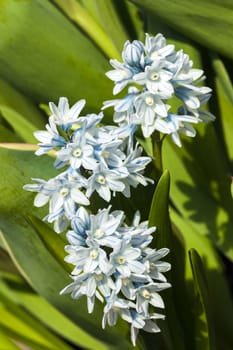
{"points": [[53, 242], [22, 127], [200, 190], [15, 100], [188, 238], [53, 58], [7, 135], [84, 19], [208, 22], [204, 332], [224, 91], [18, 322], [111, 22], [159, 217]]}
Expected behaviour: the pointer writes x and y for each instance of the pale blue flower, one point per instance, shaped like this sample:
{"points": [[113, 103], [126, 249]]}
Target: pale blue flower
{"points": [[80, 224], [156, 79], [124, 107], [91, 285], [181, 67], [88, 259], [135, 165], [122, 75], [191, 94], [116, 307], [148, 294], [63, 115], [132, 53], [63, 193], [154, 265], [128, 285], [148, 106], [77, 153], [103, 227], [156, 47], [139, 234], [104, 181], [125, 259], [140, 321], [174, 124], [50, 139]]}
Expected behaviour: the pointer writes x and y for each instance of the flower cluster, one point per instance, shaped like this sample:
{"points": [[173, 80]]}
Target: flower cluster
{"points": [[157, 73], [112, 260], [93, 158], [114, 264]]}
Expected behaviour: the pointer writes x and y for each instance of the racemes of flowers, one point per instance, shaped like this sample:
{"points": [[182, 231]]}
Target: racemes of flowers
{"points": [[128, 276], [155, 74], [93, 157], [113, 261]]}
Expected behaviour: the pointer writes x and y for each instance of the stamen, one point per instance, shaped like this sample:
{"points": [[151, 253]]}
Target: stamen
{"points": [[77, 152], [101, 179]]}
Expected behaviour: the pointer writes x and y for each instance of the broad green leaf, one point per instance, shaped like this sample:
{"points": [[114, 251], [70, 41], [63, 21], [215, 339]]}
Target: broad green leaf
{"points": [[222, 75], [21, 126], [89, 25], [54, 243], [222, 312], [38, 307], [13, 99], [224, 92], [21, 294], [204, 332], [132, 19], [6, 264], [200, 190], [53, 58], [159, 217], [111, 22], [7, 135], [208, 22], [17, 321]]}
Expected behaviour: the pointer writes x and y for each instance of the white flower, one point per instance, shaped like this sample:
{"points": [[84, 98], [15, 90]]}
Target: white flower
{"points": [[63, 115]]}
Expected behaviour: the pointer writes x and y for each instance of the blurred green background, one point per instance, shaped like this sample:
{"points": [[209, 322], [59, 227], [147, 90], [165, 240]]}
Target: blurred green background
{"points": [[59, 48]]}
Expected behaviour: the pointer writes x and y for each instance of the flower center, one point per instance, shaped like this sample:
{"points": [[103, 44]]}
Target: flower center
{"points": [[77, 152], [101, 179], [64, 191], [121, 260], [99, 277], [125, 281], [99, 233], [146, 294], [93, 254], [154, 76], [149, 101]]}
